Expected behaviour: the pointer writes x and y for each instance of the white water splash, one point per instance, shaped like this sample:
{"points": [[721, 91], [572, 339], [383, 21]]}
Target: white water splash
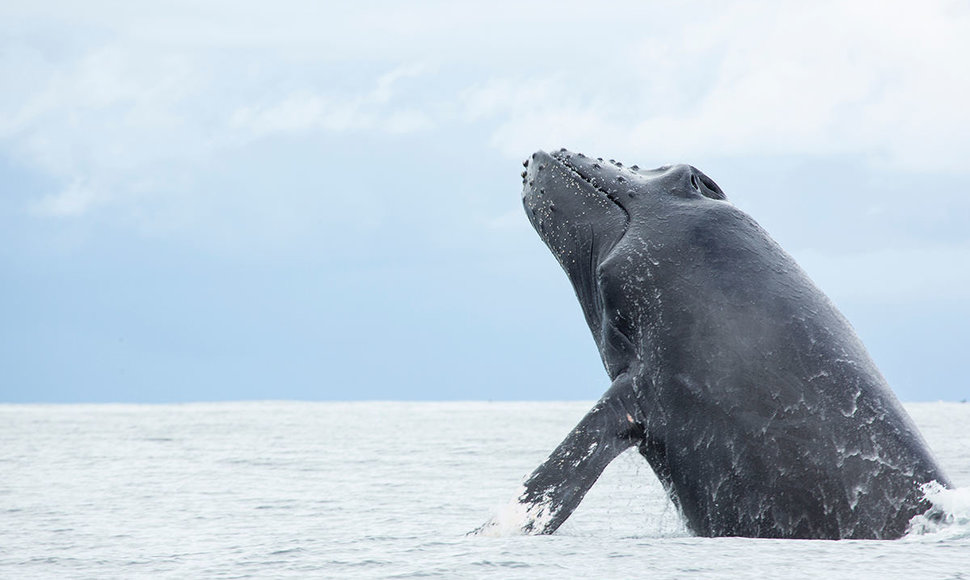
{"points": [[517, 517], [949, 518]]}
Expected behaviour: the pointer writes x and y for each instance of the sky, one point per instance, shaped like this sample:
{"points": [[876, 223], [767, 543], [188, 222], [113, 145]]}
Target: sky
{"points": [[321, 201]]}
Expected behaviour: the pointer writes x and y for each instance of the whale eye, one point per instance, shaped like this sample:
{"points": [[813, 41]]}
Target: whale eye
{"points": [[713, 191]]}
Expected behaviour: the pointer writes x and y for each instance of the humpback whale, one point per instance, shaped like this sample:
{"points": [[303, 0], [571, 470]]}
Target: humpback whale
{"points": [[745, 389]]}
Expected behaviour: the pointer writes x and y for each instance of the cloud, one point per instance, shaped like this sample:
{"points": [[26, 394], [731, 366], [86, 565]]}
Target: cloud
{"points": [[74, 200], [143, 109], [510, 220], [755, 79], [301, 112], [130, 129], [306, 111], [893, 275]]}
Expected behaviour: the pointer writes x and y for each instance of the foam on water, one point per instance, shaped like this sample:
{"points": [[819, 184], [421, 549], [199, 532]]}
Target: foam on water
{"points": [[515, 516], [949, 518]]}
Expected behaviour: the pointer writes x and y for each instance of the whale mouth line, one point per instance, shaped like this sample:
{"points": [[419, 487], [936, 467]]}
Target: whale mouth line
{"points": [[561, 157]]}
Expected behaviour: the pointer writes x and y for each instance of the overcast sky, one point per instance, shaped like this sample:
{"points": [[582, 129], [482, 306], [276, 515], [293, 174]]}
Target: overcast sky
{"points": [[306, 200]]}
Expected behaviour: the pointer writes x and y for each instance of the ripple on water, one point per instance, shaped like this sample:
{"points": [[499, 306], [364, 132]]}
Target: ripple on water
{"points": [[301, 490]]}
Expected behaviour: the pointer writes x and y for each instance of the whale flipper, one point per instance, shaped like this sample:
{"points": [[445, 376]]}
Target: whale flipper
{"points": [[557, 486]]}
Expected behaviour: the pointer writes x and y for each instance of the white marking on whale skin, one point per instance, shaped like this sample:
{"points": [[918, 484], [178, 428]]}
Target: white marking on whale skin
{"points": [[582, 458], [821, 374], [855, 405], [855, 493]]}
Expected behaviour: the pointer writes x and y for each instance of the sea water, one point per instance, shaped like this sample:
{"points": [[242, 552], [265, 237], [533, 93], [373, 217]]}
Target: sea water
{"points": [[343, 490]]}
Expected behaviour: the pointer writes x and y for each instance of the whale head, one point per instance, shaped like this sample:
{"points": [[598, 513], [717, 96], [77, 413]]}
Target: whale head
{"points": [[598, 217]]}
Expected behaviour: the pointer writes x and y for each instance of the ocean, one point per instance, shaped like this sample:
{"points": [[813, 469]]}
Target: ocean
{"points": [[382, 490]]}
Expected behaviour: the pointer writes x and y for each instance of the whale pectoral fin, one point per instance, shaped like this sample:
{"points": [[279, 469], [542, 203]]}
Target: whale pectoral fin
{"points": [[557, 486]]}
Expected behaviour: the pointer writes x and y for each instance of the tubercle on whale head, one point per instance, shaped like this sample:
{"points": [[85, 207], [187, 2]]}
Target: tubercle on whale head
{"points": [[619, 183]]}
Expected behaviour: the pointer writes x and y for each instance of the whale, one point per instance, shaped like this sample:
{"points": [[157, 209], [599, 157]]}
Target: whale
{"points": [[742, 385]]}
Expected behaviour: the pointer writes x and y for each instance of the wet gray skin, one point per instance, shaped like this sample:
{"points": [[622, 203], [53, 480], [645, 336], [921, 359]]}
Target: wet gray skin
{"points": [[583, 207], [746, 390]]}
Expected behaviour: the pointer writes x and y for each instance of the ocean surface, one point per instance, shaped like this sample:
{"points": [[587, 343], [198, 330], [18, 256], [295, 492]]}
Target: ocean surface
{"points": [[375, 490]]}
